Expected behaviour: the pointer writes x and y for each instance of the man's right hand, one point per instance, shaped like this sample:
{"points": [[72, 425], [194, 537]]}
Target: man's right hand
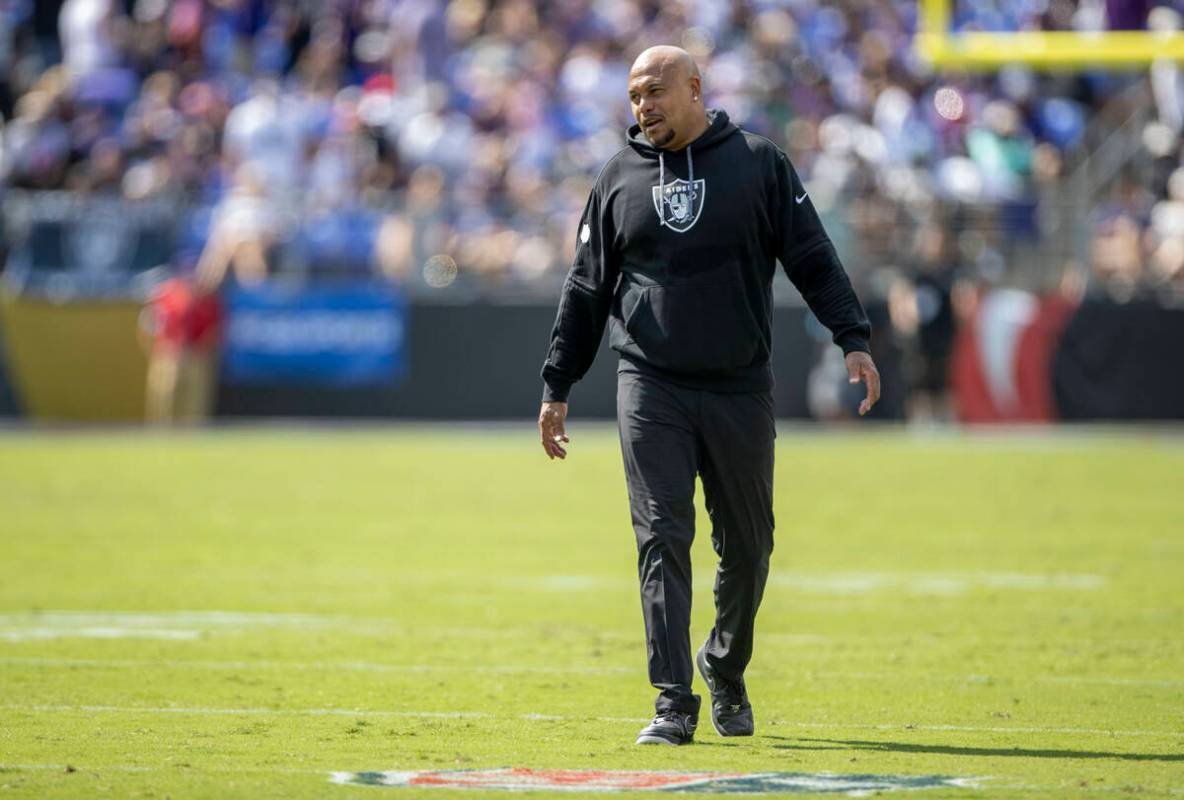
{"points": [[551, 419]]}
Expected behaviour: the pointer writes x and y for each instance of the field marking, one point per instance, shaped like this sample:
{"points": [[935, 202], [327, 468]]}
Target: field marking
{"points": [[446, 632], [174, 626], [75, 768], [1017, 787], [188, 625], [68, 622], [823, 582], [185, 626], [1167, 682], [840, 582], [932, 582], [42, 634], [351, 666], [1102, 680], [236, 621], [156, 768], [510, 669], [346, 712], [250, 711], [161, 619], [523, 779]]}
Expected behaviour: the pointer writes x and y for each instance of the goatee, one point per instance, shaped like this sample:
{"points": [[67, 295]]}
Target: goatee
{"points": [[665, 140]]}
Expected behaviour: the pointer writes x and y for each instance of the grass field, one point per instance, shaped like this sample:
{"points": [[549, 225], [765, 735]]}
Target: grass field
{"points": [[240, 613]]}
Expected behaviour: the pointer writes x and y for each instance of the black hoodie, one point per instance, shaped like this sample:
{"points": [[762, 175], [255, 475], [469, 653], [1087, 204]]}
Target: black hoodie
{"points": [[679, 249]]}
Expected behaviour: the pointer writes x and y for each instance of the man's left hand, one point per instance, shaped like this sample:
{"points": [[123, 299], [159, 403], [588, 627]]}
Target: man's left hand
{"points": [[860, 367]]}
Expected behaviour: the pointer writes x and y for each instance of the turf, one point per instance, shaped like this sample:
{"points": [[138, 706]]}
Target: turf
{"points": [[238, 613]]}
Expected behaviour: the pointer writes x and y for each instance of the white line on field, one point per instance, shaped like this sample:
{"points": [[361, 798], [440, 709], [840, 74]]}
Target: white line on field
{"points": [[301, 712], [22, 626], [831, 582], [63, 623], [67, 623], [162, 619], [193, 624], [843, 582], [346, 712], [981, 729], [74, 767], [1111, 681], [348, 666], [1101, 680], [157, 768], [511, 669], [42, 633]]}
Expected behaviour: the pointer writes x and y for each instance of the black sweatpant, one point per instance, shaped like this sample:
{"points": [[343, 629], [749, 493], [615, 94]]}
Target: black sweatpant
{"points": [[670, 434]]}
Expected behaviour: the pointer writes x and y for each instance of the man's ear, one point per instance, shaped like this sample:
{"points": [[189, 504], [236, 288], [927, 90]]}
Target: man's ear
{"points": [[696, 88]]}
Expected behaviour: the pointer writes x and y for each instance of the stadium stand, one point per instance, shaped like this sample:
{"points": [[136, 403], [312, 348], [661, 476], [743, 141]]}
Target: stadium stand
{"points": [[450, 146]]}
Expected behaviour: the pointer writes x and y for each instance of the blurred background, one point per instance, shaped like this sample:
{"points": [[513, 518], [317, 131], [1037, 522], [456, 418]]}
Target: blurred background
{"points": [[366, 208]]}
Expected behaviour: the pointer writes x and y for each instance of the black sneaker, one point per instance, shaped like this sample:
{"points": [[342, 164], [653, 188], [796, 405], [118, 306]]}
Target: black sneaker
{"points": [[670, 727], [731, 713]]}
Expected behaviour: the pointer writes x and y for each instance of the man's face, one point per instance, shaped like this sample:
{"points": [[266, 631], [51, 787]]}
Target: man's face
{"points": [[663, 100]]}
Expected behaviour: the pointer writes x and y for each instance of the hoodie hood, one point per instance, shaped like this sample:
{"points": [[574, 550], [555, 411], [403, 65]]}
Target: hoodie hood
{"points": [[719, 127]]}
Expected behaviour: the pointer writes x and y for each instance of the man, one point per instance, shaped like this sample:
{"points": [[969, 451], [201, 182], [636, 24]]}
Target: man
{"points": [[677, 246]]}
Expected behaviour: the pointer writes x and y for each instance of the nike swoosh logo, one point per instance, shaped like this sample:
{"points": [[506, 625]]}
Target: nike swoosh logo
{"points": [[800, 199]]}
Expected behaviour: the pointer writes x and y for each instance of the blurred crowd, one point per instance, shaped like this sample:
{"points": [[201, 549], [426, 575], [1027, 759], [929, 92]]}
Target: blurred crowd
{"points": [[453, 144], [456, 141]]}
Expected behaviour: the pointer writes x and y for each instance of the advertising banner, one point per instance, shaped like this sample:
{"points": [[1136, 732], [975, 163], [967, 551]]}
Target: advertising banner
{"points": [[334, 335]]}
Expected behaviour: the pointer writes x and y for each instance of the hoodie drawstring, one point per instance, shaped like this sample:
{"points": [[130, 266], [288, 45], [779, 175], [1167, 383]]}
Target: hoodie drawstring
{"points": [[661, 189], [662, 184]]}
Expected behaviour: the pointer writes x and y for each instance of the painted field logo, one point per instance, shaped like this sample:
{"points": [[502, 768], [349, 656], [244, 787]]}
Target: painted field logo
{"points": [[595, 780]]}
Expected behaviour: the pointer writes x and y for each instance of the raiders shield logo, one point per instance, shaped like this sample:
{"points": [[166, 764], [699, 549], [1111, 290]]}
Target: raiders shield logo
{"points": [[679, 203]]}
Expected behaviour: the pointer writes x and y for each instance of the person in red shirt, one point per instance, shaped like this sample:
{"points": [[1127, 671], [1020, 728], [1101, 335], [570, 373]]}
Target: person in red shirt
{"points": [[184, 317], [183, 323]]}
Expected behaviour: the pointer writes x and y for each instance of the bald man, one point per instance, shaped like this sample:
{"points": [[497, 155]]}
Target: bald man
{"points": [[678, 247]]}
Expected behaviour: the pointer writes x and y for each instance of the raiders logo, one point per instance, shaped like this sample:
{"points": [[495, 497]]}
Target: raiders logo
{"points": [[679, 203]]}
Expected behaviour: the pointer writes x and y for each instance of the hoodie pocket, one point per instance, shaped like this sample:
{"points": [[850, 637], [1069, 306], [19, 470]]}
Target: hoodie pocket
{"points": [[692, 328]]}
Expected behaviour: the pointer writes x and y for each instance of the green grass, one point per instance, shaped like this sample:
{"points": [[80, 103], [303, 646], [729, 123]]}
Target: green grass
{"points": [[1009, 608]]}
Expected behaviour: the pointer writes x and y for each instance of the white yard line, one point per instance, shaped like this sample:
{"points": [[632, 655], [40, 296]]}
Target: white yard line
{"points": [[841, 582], [184, 625], [160, 619], [346, 712], [249, 711], [512, 669], [984, 680], [158, 768], [1112, 681], [43, 633], [984, 729], [76, 768], [348, 666]]}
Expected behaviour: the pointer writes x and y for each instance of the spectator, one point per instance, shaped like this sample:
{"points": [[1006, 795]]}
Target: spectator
{"points": [[245, 227], [181, 328], [924, 311]]}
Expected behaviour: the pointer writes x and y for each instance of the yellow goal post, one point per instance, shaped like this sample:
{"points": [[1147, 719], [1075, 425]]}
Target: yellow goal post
{"points": [[988, 50]]}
